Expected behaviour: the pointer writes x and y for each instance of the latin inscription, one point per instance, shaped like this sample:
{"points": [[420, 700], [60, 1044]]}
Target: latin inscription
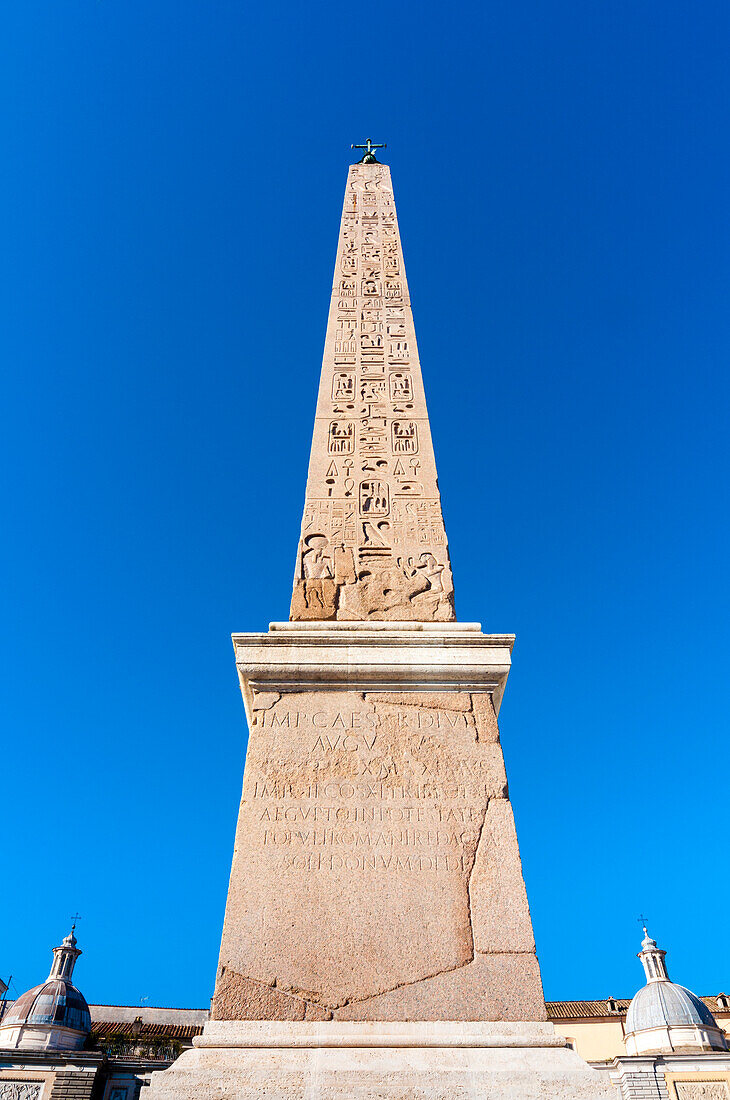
{"points": [[410, 718], [381, 787]]}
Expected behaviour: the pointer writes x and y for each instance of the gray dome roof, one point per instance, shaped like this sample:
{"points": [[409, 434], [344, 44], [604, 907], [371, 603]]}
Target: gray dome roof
{"points": [[665, 1004], [56, 1002]]}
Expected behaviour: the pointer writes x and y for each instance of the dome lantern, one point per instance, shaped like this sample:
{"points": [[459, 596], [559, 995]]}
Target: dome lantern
{"points": [[652, 959], [64, 957]]}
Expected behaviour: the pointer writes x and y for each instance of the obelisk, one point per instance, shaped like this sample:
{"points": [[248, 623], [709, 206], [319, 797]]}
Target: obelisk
{"points": [[376, 900], [373, 544]]}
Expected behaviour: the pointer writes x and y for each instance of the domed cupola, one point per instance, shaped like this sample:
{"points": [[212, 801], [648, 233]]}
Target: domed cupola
{"points": [[664, 1017], [52, 1016]]}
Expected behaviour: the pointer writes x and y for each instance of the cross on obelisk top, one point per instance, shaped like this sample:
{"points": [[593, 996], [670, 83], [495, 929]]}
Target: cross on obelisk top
{"points": [[369, 156]]}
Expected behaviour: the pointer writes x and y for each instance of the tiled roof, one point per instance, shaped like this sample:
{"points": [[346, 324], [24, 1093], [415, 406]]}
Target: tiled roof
{"points": [[574, 1010], [585, 1010], [128, 1029]]}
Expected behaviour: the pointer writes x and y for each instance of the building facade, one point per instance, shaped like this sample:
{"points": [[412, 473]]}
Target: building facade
{"points": [[55, 1046]]}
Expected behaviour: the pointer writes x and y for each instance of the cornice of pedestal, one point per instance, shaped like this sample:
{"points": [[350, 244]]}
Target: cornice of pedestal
{"points": [[373, 656]]}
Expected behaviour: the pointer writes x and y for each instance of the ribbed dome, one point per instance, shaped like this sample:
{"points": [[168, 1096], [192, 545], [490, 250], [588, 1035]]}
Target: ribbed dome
{"points": [[664, 1004], [55, 1002]]}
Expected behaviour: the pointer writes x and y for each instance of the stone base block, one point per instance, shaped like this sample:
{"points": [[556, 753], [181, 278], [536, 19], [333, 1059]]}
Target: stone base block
{"points": [[282, 1060]]}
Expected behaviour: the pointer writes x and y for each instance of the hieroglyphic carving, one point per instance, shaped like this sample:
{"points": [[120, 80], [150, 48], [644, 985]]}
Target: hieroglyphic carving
{"points": [[405, 437], [343, 386], [401, 386], [374, 498], [372, 487], [341, 437]]}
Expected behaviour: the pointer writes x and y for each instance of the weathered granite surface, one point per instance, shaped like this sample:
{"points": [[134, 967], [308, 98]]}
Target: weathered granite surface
{"points": [[376, 873], [373, 543]]}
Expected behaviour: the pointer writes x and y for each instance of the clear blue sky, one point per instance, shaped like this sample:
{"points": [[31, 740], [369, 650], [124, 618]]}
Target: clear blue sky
{"points": [[171, 182]]}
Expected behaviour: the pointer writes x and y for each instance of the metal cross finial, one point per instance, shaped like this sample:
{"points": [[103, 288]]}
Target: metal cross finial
{"points": [[642, 921], [77, 916], [369, 155]]}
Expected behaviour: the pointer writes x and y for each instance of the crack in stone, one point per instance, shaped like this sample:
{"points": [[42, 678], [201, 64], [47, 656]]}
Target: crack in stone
{"points": [[305, 997], [471, 874], [273, 984], [503, 951], [405, 985]]}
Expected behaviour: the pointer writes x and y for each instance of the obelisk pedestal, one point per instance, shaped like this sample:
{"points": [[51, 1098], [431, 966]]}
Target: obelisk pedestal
{"points": [[376, 874], [377, 939]]}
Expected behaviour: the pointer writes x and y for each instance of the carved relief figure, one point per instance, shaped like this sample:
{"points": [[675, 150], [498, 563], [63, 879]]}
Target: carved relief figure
{"points": [[433, 570], [316, 559]]}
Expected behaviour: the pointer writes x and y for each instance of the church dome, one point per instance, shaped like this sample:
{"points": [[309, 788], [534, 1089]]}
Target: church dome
{"points": [[666, 1004], [54, 1002], [665, 1017], [51, 1016]]}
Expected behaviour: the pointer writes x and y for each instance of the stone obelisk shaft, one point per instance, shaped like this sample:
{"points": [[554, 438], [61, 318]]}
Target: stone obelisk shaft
{"points": [[376, 873], [373, 544]]}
